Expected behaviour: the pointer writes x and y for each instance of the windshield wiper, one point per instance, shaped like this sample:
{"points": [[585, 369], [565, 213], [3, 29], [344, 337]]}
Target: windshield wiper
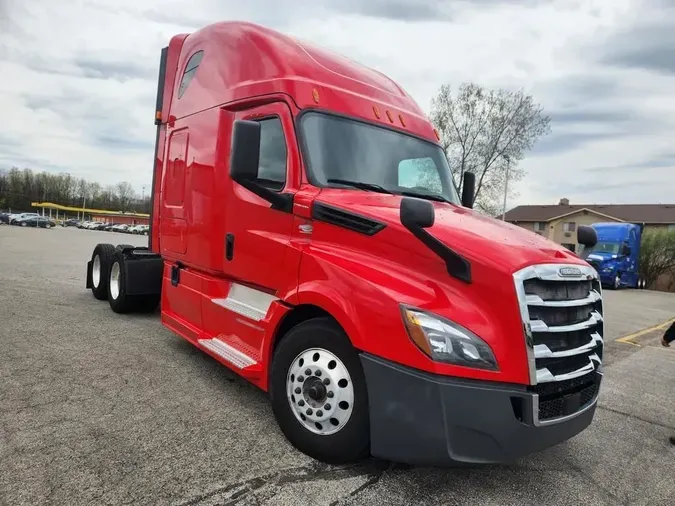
{"points": [[428, 196], [361, 185]]}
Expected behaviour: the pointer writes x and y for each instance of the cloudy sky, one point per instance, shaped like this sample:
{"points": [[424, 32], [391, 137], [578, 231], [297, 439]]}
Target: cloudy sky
{"points": [[78, 78]]}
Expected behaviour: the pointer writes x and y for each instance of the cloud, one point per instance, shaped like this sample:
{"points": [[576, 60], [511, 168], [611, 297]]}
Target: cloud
{"points": [[647, 43], [78, 82]]}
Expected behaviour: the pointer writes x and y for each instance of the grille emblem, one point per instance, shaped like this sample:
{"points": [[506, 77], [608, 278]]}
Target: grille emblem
{"points": [[568, 272]]}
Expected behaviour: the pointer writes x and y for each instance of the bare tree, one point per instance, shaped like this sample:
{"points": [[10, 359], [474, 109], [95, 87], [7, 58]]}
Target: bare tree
{"points": [[125, 194], [480, 130]]}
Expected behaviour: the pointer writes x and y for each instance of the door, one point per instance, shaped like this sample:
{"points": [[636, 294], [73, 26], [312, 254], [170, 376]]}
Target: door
{"points": [[257, 237]]}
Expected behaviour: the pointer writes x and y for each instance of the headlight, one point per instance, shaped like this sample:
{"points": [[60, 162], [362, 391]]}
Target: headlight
{"points": [[607, 269], [445, 341]]}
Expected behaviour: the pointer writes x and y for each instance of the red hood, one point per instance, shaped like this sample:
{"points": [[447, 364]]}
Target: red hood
{"points": [[507, 247]]}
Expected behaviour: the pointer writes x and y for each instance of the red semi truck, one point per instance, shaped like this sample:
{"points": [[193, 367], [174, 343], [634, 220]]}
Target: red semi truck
{"points": [[307, 234]]}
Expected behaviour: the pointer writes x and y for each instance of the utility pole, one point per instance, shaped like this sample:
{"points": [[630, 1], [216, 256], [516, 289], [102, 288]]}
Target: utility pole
{"points": [[506, 184]]}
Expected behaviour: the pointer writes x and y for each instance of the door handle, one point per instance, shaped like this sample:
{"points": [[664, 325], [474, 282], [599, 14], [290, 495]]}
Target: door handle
{"points": [[229, 246], [175, 273]]}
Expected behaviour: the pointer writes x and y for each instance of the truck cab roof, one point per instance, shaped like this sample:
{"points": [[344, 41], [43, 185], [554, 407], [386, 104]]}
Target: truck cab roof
{"points": [[228, 61]]}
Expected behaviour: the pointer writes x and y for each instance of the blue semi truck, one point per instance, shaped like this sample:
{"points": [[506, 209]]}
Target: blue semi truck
{"points": [[616, 254]]}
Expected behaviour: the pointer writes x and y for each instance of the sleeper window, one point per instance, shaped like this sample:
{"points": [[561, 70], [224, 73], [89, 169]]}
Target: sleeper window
{"points": [[190, 71]]}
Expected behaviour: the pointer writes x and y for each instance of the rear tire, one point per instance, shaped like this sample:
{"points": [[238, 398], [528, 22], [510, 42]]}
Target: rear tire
{"points": [[119, 300], [330, 423], [117, 296], [100, 270]]}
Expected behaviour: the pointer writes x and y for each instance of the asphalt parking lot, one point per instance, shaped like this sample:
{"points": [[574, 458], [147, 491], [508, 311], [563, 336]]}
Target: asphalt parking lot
{"points": [[99, 408]]}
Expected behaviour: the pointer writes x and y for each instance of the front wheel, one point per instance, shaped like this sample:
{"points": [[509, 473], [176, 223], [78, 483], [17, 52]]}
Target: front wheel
{"points": [[318, 393], [617, 282]]}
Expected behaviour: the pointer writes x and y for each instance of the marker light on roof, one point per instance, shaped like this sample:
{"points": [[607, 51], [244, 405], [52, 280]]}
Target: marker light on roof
{"points": [[391, 118], [315, 95], [400, 117], [437, 136], [376, 111]]}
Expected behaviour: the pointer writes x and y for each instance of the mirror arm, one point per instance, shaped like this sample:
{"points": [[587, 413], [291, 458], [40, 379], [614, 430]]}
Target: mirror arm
{"points": [[280, 201], [456, 265]]}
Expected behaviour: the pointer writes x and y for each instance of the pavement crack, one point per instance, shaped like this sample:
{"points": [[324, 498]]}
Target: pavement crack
{"points": [[630, 415], [236, 491], [375, 477]]}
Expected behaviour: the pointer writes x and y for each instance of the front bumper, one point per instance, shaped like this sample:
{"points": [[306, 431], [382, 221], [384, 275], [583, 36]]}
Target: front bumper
{"points": [[425, 419]]}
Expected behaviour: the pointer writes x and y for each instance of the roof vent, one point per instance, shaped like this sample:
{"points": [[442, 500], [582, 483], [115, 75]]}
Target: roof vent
{"points": [[564, 202]]}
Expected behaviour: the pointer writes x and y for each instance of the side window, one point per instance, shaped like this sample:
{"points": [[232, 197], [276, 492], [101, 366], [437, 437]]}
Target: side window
{"points": [[190, 71], [273, 154]]}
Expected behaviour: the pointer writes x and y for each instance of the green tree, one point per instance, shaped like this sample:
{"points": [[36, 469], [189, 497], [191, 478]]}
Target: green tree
{"points": [[657, 255]]}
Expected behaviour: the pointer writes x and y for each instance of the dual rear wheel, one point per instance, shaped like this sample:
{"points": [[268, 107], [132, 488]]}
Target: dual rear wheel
{"points": [[108, 281]]}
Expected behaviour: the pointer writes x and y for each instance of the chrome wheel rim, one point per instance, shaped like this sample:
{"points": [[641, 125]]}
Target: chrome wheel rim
{"points": [[320, 391], [115, 280], [617, 282], [96, 271]]}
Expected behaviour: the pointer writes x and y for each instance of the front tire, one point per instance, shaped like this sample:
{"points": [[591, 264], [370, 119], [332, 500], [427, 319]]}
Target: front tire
{"points": [[617, 282], [318, 393]]}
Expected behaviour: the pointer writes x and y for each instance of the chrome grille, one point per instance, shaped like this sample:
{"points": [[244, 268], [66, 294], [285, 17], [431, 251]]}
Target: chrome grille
{"points": [[563, 325]]}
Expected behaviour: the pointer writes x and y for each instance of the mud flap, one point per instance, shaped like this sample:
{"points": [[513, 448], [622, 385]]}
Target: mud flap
{"points": [[143, 275], [89, 282]]}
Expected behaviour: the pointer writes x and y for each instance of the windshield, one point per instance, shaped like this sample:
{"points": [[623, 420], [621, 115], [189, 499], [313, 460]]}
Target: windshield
{"points": [[349, 150], [606, 247]]}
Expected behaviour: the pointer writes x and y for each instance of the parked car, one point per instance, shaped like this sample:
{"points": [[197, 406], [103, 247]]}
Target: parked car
{"points": [[36, 221], [15, 218], [138, 229], [120, 228], [71, 223], [4, 217]]}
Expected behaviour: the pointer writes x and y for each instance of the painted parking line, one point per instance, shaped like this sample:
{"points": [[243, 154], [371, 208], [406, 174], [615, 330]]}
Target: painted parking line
{"points": [[630, 337]]}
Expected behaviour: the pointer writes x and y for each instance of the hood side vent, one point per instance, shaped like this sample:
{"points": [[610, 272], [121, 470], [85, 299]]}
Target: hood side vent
{"points": [[345, 219]]}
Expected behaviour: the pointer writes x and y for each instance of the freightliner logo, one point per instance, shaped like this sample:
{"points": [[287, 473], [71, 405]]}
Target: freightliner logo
{"points": [[568, 272]]}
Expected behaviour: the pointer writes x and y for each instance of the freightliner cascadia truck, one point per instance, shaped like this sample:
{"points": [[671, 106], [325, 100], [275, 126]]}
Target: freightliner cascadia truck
{"points": [[616, 256], [307, 234]]}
